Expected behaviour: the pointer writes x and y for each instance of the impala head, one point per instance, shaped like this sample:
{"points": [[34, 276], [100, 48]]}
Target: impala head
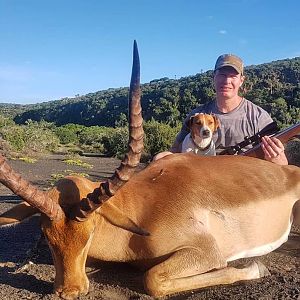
{"points": [[69, 224]]}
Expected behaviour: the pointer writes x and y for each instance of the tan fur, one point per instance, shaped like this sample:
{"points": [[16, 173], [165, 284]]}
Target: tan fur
{"points": [[18, 214], [197, 222]]}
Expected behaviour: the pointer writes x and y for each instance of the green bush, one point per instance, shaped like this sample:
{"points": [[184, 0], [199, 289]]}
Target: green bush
{"points": [[39, 137], [4, 121], [115, 142], [159, 136], [34, 136], [69, 133], [14, 135], [66, 135], [91, 138]]}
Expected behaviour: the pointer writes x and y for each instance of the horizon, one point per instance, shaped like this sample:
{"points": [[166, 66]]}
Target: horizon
{"points": [[59, 49], [74, 96]]}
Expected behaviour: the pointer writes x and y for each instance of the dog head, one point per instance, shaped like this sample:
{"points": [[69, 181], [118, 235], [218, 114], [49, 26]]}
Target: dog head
{"points": [[202, 127]]}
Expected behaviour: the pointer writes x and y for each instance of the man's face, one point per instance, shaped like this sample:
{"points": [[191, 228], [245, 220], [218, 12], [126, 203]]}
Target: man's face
{"points": [[227, 82]]}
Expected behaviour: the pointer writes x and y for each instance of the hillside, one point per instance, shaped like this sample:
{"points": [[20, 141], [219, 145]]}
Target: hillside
{"points": [[275, 86], [11, 110]]}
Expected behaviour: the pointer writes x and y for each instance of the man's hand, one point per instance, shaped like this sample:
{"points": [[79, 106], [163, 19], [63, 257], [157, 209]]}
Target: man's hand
{"points": [[274, 150]]}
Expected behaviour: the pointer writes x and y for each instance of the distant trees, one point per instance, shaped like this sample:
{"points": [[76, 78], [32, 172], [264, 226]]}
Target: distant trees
{"points": [[168, 101]]}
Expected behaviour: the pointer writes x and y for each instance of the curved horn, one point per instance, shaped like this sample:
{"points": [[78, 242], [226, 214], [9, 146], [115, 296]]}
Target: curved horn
{"points": [[28, 192], [135, 145]]}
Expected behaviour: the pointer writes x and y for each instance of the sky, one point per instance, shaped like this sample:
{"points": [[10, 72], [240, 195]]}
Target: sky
{"points": [[51, 49]]}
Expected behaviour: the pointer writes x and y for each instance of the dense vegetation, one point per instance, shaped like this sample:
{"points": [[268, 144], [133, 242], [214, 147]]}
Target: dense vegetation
{"points": [[96, 121], [275, 86]]}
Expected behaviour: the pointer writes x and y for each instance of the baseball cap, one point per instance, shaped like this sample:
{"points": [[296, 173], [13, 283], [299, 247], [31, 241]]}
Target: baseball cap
{"points": [[230, 60]]}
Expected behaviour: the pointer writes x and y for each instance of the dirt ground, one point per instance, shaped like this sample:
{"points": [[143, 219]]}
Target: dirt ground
{"points": [[26, 270]]}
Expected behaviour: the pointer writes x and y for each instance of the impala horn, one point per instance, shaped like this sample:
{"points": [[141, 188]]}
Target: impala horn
{"points": [[29, 192], [131, 160]]}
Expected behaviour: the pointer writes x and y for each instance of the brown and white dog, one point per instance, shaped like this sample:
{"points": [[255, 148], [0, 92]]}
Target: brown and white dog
{"points": [[199, 140]]}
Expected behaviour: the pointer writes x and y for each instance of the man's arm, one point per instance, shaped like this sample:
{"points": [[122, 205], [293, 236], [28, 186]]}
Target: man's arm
{"points": [[272, 148], [176, 147]]}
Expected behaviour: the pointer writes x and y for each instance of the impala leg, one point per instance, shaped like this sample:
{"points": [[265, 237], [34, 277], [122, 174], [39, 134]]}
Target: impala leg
{"points": [[189, 269], [17, 214]]}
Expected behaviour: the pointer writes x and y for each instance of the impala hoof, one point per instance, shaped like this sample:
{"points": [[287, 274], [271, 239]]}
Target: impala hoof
{"points": [[263, 271], [71, 293]]}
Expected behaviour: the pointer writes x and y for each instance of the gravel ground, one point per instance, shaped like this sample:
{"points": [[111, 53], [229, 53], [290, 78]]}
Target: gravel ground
{"points": [[34, 280]]}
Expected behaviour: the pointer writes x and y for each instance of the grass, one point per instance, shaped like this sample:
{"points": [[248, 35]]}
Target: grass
{"points": [[28, 160], [55, 177], [77, 162]]}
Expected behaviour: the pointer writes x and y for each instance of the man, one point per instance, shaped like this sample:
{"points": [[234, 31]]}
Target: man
{"points": [[238, 116]]}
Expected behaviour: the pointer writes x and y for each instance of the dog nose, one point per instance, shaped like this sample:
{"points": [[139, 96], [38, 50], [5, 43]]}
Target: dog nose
{"points": [[206, 133]]}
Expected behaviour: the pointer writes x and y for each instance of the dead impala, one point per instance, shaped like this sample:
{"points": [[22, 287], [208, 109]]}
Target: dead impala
{"points": [[200, 213]]}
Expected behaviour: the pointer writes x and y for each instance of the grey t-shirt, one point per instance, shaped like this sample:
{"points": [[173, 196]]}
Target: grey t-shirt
{"points": [[245, 120]]}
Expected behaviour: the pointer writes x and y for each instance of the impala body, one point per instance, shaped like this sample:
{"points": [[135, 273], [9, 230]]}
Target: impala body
{"points": [[230, 206], [182, 219]]}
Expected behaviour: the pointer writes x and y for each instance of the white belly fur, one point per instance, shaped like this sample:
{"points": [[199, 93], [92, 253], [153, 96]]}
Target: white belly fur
{"points": [[261, 250]]}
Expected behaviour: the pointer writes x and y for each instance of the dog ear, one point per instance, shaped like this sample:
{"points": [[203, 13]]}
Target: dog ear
{"points": [[191, 121], [217, 122]]}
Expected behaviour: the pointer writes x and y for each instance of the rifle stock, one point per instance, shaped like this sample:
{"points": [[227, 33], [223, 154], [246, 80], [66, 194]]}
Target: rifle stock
{"points": [[284, 136]]}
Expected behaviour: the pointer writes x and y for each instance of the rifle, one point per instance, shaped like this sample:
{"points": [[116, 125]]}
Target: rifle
{"points": [[284, 136], [252, 140]]}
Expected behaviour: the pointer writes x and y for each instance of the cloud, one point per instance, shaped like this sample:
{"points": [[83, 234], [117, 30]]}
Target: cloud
{"points": [[223, 31]]}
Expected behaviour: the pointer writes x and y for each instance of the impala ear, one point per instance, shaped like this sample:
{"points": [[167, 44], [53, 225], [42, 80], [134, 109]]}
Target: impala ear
{"points": [[117, 218]]}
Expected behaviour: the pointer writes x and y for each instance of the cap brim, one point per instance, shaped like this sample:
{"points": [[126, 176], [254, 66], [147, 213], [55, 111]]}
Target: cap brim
{"points": [[230, 65]]}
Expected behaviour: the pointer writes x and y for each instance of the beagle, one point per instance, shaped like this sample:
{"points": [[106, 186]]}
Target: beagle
{"points": [[199, 140]]}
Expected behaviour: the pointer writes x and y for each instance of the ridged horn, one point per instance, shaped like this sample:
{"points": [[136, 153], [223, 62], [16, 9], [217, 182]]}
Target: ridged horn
{"points": [[135, 146], [29, 192]]}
